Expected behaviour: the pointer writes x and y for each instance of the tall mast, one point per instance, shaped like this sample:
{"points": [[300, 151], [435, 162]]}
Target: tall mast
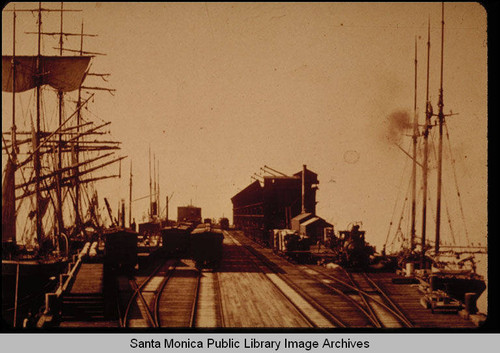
{"points": [[130, 198], [10, 227], [77, 173], [166, 210], [12, 206], [13, 132], [77, 145], [37, 133], [56, 144], [37, 159], [60, 223], [155, 210], [60, 144], [303, 189], [440, 148], [158, 189], [150, 191], [427, 126], [414, 169]]}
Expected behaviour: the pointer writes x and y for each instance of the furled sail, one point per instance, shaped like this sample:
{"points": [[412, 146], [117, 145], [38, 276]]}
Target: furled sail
{"points": [[64, 73], [8, 204]]}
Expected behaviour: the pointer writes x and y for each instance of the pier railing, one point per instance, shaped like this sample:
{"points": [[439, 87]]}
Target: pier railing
{"points": [[66, 280]]}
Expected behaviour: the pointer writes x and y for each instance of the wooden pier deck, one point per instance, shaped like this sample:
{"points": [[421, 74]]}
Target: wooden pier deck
{"points": [[406, 296], [256, 288], [89, 279], [84, 305]]}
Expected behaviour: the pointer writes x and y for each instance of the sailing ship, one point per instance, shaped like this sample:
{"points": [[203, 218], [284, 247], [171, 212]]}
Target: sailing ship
{"points": [[451, 269], [45, 178], [150, 229]]}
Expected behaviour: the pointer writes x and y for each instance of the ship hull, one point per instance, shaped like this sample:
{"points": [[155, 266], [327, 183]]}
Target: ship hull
{"points": [[34, 279], [457, 287]]}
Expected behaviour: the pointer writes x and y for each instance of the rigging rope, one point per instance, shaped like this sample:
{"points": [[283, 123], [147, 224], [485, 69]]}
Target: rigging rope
{"points": [[456, 185], [443, 193], [452, 232], [396, 204], [401, 216]]}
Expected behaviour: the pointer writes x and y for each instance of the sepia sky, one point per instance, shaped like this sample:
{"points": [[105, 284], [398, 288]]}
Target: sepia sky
{"points": [[218, 90]]}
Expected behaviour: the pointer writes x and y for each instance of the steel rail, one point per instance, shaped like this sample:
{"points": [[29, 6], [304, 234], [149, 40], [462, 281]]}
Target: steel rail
{"points": [[325, 312], [395, 307], [218, 295], [159, 292], [194, 307], [143, 300], [365, 298], [346, 296], [309, 322], [313, 302], [137, 291], [399, 315]]}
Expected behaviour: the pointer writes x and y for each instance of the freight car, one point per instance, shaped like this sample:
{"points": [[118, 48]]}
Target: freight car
{"points": [[120, 249], [175, 240], [206, 246], [189, 214], [224, 223], [290, 244]]}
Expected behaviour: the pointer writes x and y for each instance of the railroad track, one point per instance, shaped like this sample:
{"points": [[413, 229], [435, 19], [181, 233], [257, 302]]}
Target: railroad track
{"points": [[165, 298], [382, 308], [209, 308], [176, 301], [354, 299], [271, 272], [365, 294]]}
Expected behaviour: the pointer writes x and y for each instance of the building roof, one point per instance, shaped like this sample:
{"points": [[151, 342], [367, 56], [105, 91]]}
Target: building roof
{"points": [[310, 221], [311, 177], [314, 220], [301, 217], [254, 190]]}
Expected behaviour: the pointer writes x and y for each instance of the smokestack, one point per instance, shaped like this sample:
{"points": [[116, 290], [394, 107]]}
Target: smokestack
{"points": [[304, 188]]}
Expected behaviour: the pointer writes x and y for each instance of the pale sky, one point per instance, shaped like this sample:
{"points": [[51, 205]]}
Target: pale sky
{"points": [[221, 89]]}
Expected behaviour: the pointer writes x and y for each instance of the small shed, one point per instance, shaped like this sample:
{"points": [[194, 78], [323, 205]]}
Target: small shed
{"points": [[314, 227], [298, 220]]}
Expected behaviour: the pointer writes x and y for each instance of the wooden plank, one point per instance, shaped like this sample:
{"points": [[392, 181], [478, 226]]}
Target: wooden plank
{"points": [[89, 279]]}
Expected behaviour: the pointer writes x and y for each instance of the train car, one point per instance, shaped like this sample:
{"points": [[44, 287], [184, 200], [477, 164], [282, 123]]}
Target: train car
{"points": [[206, 246], [224, 223], [189, 214], [292, 245], [149, 228], [175, 240], [120, 249]]}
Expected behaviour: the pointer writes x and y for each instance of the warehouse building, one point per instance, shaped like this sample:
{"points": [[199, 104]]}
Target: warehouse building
{"points": [[274, 203]]}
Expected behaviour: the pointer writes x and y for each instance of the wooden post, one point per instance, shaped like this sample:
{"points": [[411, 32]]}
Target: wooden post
{"points": [[470, 303], [50, 303], [15, 297], [166, 206], [304, 188]]}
